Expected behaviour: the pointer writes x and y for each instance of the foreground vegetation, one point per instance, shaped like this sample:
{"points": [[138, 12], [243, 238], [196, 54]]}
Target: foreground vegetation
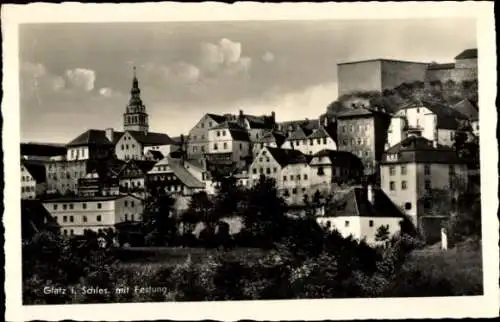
{"points": [[273, 257]]}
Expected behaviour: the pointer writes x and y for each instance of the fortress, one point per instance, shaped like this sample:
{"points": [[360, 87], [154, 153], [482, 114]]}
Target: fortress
{"points": [[381, 74]]}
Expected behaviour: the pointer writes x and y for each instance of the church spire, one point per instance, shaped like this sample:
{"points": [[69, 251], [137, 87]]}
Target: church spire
{"points": [[135, 117]]}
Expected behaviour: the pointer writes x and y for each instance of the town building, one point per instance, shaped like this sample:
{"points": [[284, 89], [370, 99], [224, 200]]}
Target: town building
{"points": [[363, 132], [132, 177], [76, 214], [431, 120], [377, 75], [35, 219], [33, 179], [176, 179], [306, 125], [317, 140], [273, 139], [463, 69], [415, 167], [228, 142], [360, 213], [330, 168]]}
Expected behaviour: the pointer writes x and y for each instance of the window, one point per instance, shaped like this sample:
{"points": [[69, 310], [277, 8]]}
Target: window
{"points": [[261, 170], [370, 223], [275, 170], [346, 223], [126, 217], [343, 129], [215, 146], [71, 232], [55, 207], [403, 170], [344, 142], [305, 176], [65, 232], [318, 141], [241, 146], [427, 184], [126, 203], [123, 147], [451, 169], [225, 145], [427, 169], [254, 171], [403, 185], [84, 218], [65, 206], [351, 129], [294, 191], [133, 146], [392, 170], [209, 124], [71, 219], [297, 143], [408, 205], [223, 133], [392, 185], [65, 218], [291, 177], [99, 206], [311, 142], [284, 178], [268, 170], [321, 171], [218, 133], [324, 141], [202, 125], [98, 218], [452, 135], [298, 177], [126, 146], [131, 204], [84, 205]]}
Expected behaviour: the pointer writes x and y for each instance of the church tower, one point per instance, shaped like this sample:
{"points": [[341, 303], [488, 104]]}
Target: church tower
{"points": [[135, 117]]}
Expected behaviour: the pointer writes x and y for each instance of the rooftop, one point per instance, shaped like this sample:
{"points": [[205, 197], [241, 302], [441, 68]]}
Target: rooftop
{"points": [[42, 149], [382, 59], [151, 138], [415, 149], [447, 118], [467, 108], [470, 53], [87, 198], [355, 203], [287, 156], [436, 66], [91, 137], [36, 169]]}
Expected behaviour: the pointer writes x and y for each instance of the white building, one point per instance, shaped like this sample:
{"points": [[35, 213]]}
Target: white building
{"points": [[360, 213], [316, 141], [33, 179], [433, 121], [228, 142], [77, 214]]}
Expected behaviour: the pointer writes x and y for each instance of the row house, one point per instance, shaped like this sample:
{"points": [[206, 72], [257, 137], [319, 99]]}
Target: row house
{"points": [[95, 184], [300, 176], [198, 140], [363, 132], [307, 125], [33, 179], [132, 177], [310, 143], [135, 145], [360, 212], [76, 214], [273, 139], [228, 142], [431, 120], [413, 168]]}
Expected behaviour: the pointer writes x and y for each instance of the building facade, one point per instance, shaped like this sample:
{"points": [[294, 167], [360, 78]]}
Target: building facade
{"points": [[33, 179], [77, 214], [463, 69], [363, 132], [414, 167]]}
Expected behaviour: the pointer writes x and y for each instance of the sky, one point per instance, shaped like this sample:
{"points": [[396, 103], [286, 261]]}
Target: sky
{"points": [[78, 76]]}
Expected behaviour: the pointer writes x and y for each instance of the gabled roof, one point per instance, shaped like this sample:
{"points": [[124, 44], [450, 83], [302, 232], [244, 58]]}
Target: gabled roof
{"points": [[306, 124], [447, 118], [287, 156], [143, 165], [217, 118], [340, 157], [355, 203], [88, 198], [415, 149], [354, 112], [36, 169], [184, 175], [319, 134], [227, 125], [237, 132], [42, 149], [259, 122], [91, 138], [270, 137], [238, 135], [34, 218], [151, 138], [298, 134], [470, 53], [466, 108]]}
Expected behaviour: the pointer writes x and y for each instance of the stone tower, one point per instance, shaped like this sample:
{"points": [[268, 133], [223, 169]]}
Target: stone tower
{"points": [[135, 117]]}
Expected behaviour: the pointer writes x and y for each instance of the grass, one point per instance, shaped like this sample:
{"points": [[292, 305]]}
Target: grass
{"points": [[456, 271]]}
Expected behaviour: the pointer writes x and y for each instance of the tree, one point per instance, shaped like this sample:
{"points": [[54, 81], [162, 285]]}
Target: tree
{"points": [[158, 222], [382, 233]]}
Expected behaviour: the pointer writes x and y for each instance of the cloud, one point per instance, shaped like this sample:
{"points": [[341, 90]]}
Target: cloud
{"points": [[37, 80], [226, 56], [106, 92], [186, 72], [268, 57], [81, 78]]}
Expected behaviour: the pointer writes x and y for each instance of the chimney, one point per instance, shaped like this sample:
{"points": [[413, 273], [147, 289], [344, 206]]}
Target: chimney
{"points": [[241, 113], [369, 193], [273, 117], [110, 134], [291, 145], [434, 144]]}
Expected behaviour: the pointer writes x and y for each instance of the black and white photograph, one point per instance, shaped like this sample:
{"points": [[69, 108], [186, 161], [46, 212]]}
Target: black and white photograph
{"points": [[234, 160]]}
